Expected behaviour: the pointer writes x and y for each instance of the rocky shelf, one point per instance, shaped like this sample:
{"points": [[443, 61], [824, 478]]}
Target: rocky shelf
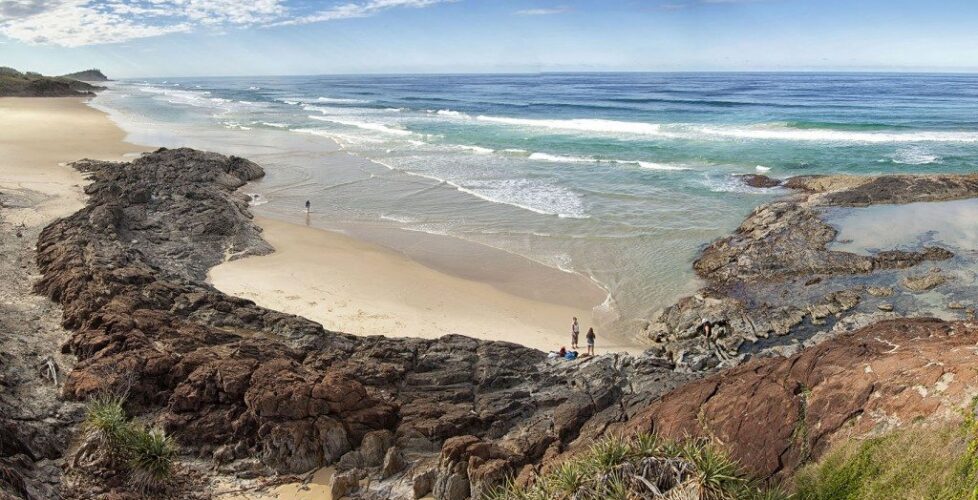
{"points": [[776, 285], [251, 393]]}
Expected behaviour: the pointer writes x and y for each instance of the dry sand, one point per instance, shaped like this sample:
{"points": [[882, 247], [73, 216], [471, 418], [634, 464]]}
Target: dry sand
{"points": [[37, 137], [357, 287]]}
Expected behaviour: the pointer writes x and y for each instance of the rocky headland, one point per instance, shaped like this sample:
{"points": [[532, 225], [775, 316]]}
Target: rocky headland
{"points": [[251, 394], [14, 83], [89, 75]]}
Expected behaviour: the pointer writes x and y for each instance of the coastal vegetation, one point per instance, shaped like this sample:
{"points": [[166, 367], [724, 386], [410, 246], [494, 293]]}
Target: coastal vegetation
{"points": [[916, 462], [144, 454], [14, 83], [643, 466]]}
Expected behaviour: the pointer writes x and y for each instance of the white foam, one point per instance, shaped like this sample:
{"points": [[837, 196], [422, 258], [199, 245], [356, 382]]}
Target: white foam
{"points": [[449, 112], [732, 184], [535, 196], [762, 168], [768, 131], [335, 100], [542, 198], [479, 150], [560, 159], [583, 125], [375, 127], [401, 219], [256, 199], [780, 132], [914, 156], [235, 126], [580, 159], [275, 125]]}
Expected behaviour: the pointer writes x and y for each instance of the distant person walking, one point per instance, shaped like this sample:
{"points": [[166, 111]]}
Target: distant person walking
{"points": [[575, 333], [590, 341], [307, 206]]}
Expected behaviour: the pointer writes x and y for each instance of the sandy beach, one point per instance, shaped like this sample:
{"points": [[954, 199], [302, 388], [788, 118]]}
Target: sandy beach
{"points": [[343, 282], [358, 287], [38, 136]]}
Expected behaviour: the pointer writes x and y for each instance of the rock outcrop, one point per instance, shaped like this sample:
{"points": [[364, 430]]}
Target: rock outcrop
{"points": [[775, 413], [230, 380], [257, 392], [777, 280]]}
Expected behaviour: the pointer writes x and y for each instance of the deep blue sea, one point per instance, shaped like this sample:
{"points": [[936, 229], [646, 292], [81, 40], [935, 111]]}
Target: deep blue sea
{"points": [[620, 177]]}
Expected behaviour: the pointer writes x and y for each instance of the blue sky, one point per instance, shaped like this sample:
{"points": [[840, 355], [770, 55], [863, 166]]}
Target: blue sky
{"points": [[133, 38]]}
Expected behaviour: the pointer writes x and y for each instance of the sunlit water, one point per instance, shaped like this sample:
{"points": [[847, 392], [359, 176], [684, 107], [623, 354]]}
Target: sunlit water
{"points": [[620, 177]]}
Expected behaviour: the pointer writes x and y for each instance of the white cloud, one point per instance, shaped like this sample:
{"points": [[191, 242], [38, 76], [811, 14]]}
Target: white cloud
{"points": [[360, 9], [74, 23], [542, 12]]}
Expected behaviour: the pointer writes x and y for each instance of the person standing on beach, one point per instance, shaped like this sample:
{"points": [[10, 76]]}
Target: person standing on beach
{"points": [[307, 206], [575, 332], [590, 341]]}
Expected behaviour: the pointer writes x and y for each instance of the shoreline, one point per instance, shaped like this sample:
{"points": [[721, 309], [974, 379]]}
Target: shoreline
{"points": [[436, 285], [435, 407], [352, 285]]}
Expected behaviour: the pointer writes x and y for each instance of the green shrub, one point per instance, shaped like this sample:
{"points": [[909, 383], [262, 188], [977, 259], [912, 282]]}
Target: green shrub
{"points": [[641, 467], [148, 454], [106, 418], [913, 463], [151, 455]]}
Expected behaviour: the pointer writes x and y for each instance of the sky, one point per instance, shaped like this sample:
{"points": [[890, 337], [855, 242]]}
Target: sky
{"points": [[161, 38]]}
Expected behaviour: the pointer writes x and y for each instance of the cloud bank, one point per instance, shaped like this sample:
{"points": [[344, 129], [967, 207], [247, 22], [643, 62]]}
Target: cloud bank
{"points": [[76, 23]]}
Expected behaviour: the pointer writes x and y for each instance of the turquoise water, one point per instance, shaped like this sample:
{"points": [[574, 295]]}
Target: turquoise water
{"points": [[620, 177]]}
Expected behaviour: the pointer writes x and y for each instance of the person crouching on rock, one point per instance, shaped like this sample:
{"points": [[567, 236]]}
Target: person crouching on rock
{"points": [[590, 341]]}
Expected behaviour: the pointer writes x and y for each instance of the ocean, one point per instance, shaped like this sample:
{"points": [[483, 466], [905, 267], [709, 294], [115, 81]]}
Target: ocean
{"points": [[622, 178]]}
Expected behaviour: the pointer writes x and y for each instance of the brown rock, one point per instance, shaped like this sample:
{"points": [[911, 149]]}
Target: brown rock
{"points": [[828, 390], [922, 283], [760, 181], [393, 462]]}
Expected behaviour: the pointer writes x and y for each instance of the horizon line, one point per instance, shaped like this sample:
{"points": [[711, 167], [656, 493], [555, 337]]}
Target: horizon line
{"points": [[878, 71]]}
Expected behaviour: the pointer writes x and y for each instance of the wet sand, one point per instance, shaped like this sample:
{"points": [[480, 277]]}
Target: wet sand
{"points": [[358, 287]]}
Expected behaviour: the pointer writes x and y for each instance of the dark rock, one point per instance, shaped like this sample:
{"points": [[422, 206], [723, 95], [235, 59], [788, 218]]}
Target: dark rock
{"points": [[760, 181], [224, 376]]}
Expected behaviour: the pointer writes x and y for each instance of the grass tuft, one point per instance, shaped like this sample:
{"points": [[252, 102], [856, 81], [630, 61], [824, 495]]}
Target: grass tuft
{"points": [[644, 466], [147, 454], [913, 463], [106, 419]]}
